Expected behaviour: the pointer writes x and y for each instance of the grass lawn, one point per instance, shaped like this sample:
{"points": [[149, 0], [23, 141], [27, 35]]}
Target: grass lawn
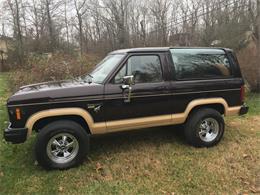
{"points": [[154, 161]]}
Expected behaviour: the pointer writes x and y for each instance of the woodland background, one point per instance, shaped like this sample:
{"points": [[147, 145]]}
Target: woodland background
{"points": [[56, 39]]}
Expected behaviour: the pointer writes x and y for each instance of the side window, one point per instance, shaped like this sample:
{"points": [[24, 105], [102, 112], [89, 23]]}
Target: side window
{"points": [[200, 63], [145, 69]]}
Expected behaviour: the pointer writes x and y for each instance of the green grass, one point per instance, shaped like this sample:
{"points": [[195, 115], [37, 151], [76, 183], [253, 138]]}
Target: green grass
{"points": [[253, 101], [154, 161]]}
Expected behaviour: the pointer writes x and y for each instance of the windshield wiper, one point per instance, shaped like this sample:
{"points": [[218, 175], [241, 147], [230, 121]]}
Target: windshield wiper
{"points": [[86, 78], [89, 76]]}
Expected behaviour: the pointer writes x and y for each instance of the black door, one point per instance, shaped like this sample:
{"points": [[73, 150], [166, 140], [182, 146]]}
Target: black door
{"points": [[149, 95]]}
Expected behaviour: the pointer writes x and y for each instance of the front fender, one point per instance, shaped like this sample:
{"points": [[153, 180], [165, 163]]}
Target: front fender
{"points": [[95, 128]]}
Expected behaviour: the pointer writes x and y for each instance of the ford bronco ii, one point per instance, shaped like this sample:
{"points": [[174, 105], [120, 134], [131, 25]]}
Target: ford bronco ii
{"points": [[129, 89]]}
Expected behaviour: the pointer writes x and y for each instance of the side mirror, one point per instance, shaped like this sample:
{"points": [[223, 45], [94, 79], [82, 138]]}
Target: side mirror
{"points": [[128, 80]]}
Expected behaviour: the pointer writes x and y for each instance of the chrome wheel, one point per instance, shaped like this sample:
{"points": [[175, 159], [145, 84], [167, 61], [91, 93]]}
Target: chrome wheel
{"points": [[62, 148], [208, 129]]}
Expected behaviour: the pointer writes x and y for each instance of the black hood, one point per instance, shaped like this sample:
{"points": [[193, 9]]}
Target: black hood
{"points": [[55, 91]]}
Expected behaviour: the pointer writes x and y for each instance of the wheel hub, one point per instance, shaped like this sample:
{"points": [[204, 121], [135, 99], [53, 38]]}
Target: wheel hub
{"points": [[62, 148], [208, 129]]}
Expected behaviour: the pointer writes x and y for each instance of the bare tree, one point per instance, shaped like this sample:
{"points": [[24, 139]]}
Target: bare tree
{"points": [[258, 42], [159, 9], [80, 11], [16, 16], [50, 25], [66, 22], [118, 13], [52, 10], [258, 25]]}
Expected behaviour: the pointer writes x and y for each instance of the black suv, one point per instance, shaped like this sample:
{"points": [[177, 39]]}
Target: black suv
{"points": [[129, 89]]}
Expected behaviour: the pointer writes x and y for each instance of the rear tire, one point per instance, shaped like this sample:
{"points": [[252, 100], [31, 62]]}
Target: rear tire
{"points": [[204, 128], [61, 145]]}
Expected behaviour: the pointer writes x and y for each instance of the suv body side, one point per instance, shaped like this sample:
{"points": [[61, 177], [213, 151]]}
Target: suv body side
{"points": [[102, 107]]}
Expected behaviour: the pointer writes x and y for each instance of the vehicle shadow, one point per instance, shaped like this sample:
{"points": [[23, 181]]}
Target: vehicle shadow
{"points": [[127, 140], [101, 145]]}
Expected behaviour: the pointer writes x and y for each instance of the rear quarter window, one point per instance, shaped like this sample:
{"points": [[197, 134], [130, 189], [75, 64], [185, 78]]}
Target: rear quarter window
{"points": [[200, 63]]}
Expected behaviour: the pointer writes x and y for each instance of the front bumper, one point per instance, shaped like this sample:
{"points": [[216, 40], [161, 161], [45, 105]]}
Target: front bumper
{"points": [[15, 135], [243, 110]]}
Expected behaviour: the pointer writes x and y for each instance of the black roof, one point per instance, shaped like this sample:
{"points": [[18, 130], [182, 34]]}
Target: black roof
{"points": [[160, 49]]}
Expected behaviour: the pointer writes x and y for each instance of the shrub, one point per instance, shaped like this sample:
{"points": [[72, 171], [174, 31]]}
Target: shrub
{"points": [[47, 67], [250, 67]]}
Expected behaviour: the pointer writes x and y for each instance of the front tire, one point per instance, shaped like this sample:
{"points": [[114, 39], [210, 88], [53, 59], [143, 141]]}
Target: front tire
{"points": [[204, 128], [61, 145]]}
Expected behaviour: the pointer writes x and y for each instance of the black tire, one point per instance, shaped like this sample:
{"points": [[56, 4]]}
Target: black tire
{"points": [[79, 136], [193, 131]]}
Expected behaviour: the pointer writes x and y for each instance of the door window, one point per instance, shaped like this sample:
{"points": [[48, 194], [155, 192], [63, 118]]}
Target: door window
{"points": [[145, 69]]}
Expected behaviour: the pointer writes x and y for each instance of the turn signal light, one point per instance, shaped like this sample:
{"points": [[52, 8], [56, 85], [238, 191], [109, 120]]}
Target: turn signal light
{"points": [[18, 113]]}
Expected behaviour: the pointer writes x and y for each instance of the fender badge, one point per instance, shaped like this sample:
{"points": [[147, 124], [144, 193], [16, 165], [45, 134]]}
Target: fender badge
{"points": [[96, 107]]}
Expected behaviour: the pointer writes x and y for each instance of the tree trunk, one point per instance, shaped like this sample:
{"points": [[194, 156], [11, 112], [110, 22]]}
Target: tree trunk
{"points": [[258, 44], [2, 61], [35, 12], [80, 35], [258, 25], [143, 32], [50, 27], [66, 25], [19, 34]]}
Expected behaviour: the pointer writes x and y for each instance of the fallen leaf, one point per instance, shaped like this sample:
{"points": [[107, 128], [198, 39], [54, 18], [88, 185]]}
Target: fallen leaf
{"points": [[253, 189], [147, 173], [164, 192], [98, 167], [60, 189], [1, 174]]}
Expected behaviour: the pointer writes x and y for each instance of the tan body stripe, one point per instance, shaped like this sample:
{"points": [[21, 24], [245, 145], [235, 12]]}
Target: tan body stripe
{"points": [[126, 124], [143, 122]]}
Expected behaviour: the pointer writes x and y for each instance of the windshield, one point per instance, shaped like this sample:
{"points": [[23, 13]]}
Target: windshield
{"points": [[101, 71]]}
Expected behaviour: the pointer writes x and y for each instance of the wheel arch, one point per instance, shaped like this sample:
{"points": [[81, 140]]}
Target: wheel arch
{"points": [[218, 104], [39, 124], [65, 113]]}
